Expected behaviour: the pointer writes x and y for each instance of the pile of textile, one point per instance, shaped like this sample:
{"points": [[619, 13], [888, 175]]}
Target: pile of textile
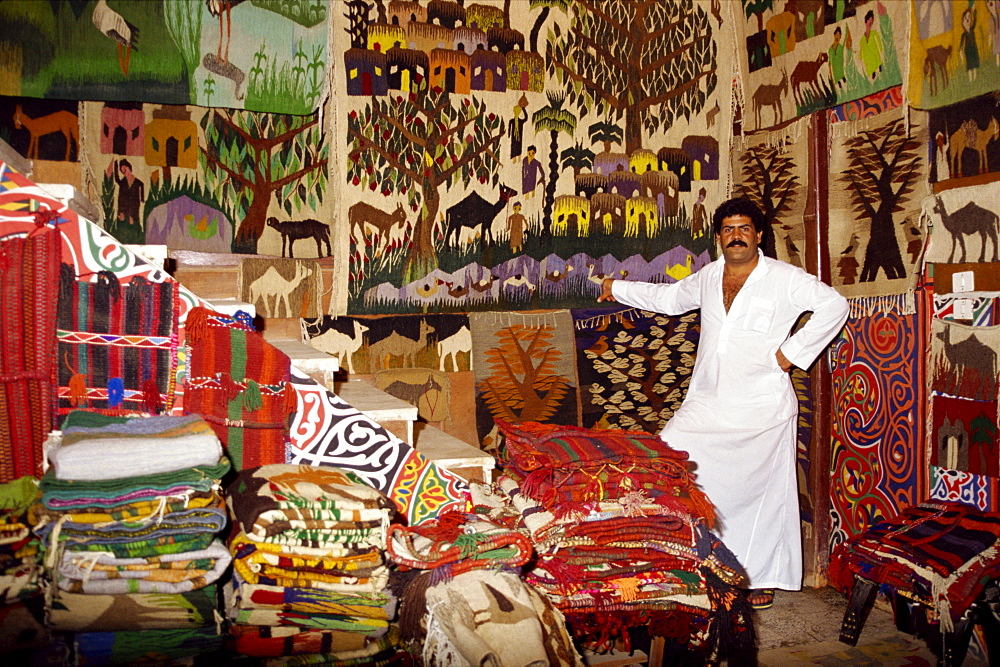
{"points": [[622, 538], [130, 515], [20, 568], [309, 569]]}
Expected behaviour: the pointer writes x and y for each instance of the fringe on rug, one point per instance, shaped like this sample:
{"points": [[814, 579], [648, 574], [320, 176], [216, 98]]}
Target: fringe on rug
{"points": [[900, 304]]}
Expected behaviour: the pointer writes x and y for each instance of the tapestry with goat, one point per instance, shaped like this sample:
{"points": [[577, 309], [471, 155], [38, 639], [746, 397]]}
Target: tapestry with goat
{"points": [[804, 56], [878, 179], [878, 390], [186, 52], [954, 51], [498, 153]]}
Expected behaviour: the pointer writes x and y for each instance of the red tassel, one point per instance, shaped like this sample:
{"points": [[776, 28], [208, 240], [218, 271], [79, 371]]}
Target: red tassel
{"points": [[78, 390], [229, 388], [536, 479], [151, 397], [446, 529], [291, 399], [195, 327]]}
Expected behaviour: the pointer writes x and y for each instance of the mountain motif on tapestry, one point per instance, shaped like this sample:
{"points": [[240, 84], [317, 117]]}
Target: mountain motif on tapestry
{"points": [[41, 129], [878, 178], [965, 435], [281, 287], [964, 360], [427, 389], [965, 142], [965, 224], [634, 366]]}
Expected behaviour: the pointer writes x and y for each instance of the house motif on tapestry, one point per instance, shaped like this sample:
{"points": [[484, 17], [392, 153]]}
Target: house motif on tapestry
{"points": [[679, 162], [588, 185], [172, 138], [704, 154], [505, 40], [662, 187], [450, 71], [641, 217], [123, 128], [445, 13], [366, 72], [571, 216], [426, 36], [469, 39], [404, 67], [489, 71], [400, 12], [608, 211], [642, 160], [382, 37], [525, 71], [607, 163], [483, 16], [624, 183]]}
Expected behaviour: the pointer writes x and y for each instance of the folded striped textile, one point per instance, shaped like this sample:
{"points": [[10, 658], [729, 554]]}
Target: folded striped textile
{"points": [[314, 620], [138, 510], [346, 584], [378, 652], [379, 605], [280, 565], [129, 647], [136, 446], [265, 641], [941, 553], [78, 612], [101, 573], [61, 494]]}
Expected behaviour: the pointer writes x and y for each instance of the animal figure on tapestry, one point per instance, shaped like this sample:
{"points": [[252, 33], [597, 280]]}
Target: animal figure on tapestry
{"points": [[341, 345], [806, 75], [294, 230], [460, 341], [973, 356], [711, 114], [412, 393], [953, 445], [970, 136], [220, 9], [364, 217], [936, 64], [769, 96], [395, 345], [970, 219], [63, 122], [474, 212], [114, 26], [274, 286]]}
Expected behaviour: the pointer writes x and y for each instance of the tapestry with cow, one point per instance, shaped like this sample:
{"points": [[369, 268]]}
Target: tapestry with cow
{"points": [[954, 51], [525, 369], [964, 142], [800, 56], [963, 360], [210, 180], [499, 155], [281, 287], [878, 390], [204, 52], [965, 225], [877, 182], [771, 169]]}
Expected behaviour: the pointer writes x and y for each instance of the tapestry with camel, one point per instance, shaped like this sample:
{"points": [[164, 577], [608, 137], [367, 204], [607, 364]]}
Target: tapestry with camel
{"points": [[965, 225], [805, 55], [290, 288], [500, 155], [204, 52], [963, 360], [209, 180], [964, 142]]}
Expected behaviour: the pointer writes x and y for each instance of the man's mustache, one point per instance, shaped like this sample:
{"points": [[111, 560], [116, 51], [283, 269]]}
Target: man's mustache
{"points": [[737, 242]]}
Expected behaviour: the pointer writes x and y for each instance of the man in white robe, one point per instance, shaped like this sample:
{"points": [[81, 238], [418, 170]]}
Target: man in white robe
{"points": [[738, 420]]}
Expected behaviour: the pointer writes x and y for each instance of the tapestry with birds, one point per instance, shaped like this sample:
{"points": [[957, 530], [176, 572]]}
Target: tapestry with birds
{"points": [[877, 182], [954, 52], [807, 55], [221, 53], [500, 155]]}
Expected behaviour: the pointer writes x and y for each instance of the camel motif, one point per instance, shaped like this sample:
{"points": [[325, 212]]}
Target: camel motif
{"points": [[460, 341], [274, 287], [399, 346], [970, 136], [340, 345], [970, 219]]}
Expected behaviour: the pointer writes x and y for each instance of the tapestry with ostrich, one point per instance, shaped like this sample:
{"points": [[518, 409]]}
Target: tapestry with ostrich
{"points": [[206, 52], [877, 181], [499, 153]]}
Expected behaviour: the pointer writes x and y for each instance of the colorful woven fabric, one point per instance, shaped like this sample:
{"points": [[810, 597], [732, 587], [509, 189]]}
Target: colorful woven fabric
{"points": [[20, 564], [29, 276], [74, 612], [380, 605], [265, 641], [129, 647]]}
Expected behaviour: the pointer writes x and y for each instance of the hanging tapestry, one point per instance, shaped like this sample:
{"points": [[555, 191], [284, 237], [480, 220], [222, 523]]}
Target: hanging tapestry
{"points": [[964, 435], [877, 181], [29, 279], [867, 106], [281, 287], [239, 383], [525, 369], [210, 180], [41, 129], [814, 55], [980, 491], [772, 170], [117, 344], [963, 140], [634, 366], [427, 389], [802, 384], [877, 388], [497, 152], [329, 432], [954, 51], [963, 361], [181, 52], [979, 310], [964, 225]]}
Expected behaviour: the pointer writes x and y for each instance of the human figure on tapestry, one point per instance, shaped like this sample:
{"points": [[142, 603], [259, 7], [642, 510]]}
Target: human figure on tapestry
{"points": [[738, 422], [967, 44], [871, 48], [531, 173], [515, 228], [131, 191], [699, 216], [837, 53], [516, 127], [993, 7]]}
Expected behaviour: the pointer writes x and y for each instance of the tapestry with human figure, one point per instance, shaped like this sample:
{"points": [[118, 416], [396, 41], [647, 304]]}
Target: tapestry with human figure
{"points": [[799, 57], [498, 152], [965, 142], [877, 181], [183, 52], [878, 390]]}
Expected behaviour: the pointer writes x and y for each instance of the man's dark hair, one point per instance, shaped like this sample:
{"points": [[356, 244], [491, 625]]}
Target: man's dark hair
{"points": [[738, 206]]}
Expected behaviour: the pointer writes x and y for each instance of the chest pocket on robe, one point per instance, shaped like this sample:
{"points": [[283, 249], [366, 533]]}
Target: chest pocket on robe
{"points": [[760, 315]]}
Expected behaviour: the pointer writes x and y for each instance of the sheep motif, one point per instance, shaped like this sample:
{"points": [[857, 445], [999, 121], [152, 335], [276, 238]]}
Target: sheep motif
{"points": [[293, 230]]}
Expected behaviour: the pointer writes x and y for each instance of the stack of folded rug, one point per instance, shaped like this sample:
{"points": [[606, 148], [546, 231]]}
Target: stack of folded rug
{"points": [[622, 537], [130, 516], [310, 575]]}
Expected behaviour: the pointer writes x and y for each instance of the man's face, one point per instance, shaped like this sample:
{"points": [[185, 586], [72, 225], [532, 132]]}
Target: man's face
{"points": [[738, 239]]}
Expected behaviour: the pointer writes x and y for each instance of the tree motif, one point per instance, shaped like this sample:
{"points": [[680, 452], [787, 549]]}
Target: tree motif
{"points": [[552, 119], [523, 385], [647, 61], [770, 181]]}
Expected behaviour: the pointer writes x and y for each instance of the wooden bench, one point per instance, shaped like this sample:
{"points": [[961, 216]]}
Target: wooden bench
{"points": [[317, 364], [465, 460], [393, 414]]}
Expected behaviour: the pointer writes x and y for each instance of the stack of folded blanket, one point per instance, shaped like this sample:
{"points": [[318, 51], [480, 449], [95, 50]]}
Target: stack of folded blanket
{"points": [[622, 537], [309, 569], [130, 516]]}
